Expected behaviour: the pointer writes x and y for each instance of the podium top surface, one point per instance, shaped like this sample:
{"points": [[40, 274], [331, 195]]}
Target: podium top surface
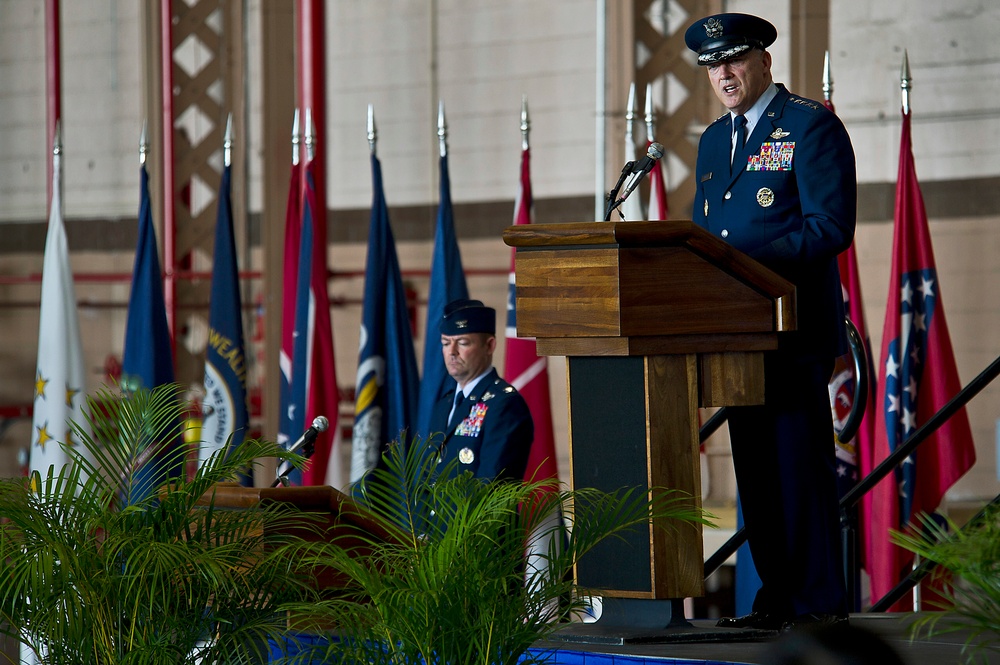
{"points": [[672, 233]]}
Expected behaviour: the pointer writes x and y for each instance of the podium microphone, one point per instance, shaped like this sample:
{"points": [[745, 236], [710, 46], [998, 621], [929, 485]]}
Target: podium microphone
{"points": [[304, 445], [653, 155]]}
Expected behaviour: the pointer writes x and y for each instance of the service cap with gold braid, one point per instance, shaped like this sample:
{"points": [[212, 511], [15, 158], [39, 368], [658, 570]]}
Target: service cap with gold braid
{"points": [[724, 36], [468, 316]]}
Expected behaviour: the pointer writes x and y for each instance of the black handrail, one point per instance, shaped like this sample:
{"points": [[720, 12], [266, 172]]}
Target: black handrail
{"points": [[851, 498]]}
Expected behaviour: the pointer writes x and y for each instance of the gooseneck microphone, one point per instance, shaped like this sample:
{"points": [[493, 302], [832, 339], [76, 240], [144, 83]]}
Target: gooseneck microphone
{"points": [[653, 155], [305, 445], [634, 172]]}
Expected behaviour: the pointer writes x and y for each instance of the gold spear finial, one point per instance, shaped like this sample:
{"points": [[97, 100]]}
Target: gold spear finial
{"points": [[296, 138], [442, 130], [905, 82], [827, 78], [372, 132], [310, 136], [525, 122], [143, 144], [227, 143]]}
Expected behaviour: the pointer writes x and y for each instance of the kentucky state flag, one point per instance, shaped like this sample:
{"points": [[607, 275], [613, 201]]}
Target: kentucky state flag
{"points": [[148, 359], [447, 284], [60, 378], [225, 414], [918, 378], [387, 382]]}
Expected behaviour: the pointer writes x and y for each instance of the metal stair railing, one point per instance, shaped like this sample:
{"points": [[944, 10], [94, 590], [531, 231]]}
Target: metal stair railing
{"points": [[850, 500]]}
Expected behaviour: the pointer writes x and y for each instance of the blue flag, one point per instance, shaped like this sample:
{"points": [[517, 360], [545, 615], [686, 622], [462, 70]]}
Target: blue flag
{"points": [[387, 383], [447, 284], [148, 359], [225, 405]]}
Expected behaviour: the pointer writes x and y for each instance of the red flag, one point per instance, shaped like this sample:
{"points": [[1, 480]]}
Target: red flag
{"points": [[322, 398], [658, 210], [918, 378], [856, 454], [523, 367]]}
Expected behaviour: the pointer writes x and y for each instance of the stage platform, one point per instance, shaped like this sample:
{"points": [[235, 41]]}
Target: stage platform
{"points": [[703, 644]]}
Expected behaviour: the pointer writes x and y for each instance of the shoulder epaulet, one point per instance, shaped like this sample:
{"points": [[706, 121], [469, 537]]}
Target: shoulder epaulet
{"points": [[506, 387], [721, 117], [803, 103]]}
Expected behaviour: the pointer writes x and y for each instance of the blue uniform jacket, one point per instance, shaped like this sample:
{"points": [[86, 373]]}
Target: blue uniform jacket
{"points": [[790, 203], [493, 438]]}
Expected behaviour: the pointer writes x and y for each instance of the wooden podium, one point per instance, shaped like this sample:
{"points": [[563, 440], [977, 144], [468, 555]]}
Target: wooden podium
{"points": [[337, 516], [656, 319]]}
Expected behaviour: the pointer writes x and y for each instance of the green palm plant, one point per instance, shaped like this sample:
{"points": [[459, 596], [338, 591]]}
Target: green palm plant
{"points": [[968, 565], [102, 564], [450, 589]]}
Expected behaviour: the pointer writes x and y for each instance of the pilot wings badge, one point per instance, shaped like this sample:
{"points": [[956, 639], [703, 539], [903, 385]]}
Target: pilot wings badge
{"points": [[779, 133]]}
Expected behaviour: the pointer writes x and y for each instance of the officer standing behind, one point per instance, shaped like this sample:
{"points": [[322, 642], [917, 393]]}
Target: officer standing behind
{"points": [[484, 421], [776, 179]]}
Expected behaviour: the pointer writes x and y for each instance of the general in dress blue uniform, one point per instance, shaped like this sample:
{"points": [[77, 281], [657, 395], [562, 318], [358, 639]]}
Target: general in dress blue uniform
{"points": [[488, 428], [776, 179]]}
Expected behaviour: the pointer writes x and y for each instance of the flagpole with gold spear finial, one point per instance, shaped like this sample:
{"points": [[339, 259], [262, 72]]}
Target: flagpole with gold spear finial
{"points": [[905, 82], [296, 138], [227, 143], [525, 122], [442, 130], [310, 136], [372, 132], [827, 80]]}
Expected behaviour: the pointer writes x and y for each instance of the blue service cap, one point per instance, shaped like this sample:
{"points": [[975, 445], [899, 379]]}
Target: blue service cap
{"points": [[724, 36], [468, 316]]}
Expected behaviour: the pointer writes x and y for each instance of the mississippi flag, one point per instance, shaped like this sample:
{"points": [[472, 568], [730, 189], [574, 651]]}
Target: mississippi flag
{"points": [[60, 378], [225, 406], [918, 378], [447, 284], [312, 385], [387, 386]]}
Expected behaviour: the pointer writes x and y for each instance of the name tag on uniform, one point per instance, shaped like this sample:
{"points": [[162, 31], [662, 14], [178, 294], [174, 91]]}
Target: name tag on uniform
{"points": [[773, 156]]}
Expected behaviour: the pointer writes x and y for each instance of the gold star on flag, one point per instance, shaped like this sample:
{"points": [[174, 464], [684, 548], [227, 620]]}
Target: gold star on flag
{"points": [[43, 436], [40, 383], [70, 394]]}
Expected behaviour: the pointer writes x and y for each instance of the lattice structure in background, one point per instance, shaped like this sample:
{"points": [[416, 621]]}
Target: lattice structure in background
{"points": [[206, 67], [683, 101]]}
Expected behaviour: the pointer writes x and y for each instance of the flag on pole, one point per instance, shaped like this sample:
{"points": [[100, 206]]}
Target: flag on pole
{"points": [[148, 359], [387, 386], [523, 367], [60, 379], [918, 378], [288, 424], [225, 416], [658, 210], [314, 374], [447, 284], [528, 372]]}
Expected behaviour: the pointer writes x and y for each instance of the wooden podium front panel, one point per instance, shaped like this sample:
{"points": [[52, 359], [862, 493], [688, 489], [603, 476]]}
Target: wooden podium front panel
{"points": [[632, 427], [633, 292], [673, 291]]}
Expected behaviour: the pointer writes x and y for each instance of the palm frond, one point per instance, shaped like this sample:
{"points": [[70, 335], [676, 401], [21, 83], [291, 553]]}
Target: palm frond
{"points": [[452, 589], [969, 572]]}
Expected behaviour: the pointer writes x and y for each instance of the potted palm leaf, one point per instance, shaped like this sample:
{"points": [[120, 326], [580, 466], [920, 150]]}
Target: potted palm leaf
{"points": [[968, 572], [456, 589], [103, 564]]}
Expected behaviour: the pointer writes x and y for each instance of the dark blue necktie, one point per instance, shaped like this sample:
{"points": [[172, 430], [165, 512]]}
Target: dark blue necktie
{"points": [[456, 415], [740, 123]]}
